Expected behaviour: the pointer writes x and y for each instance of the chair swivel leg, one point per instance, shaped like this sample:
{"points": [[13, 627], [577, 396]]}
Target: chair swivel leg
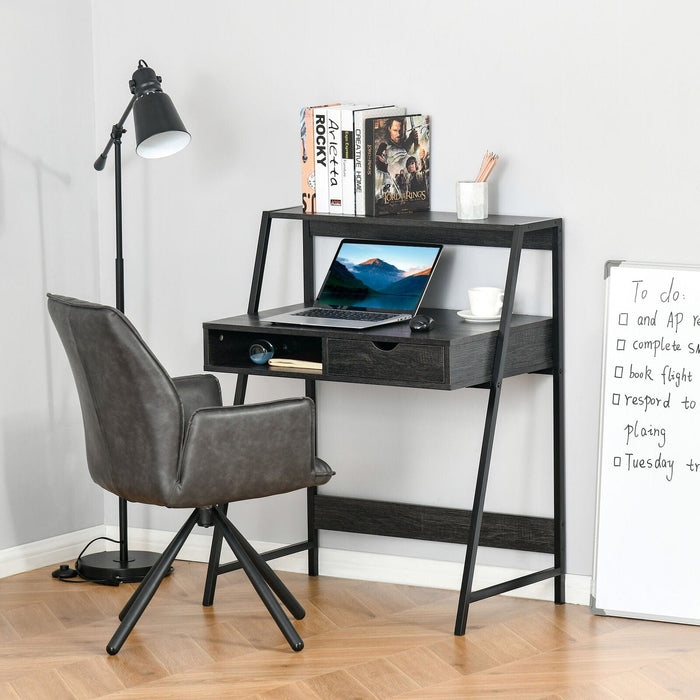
{"points": [[147, 588], [258, 582], [214, 559], [142, 584], [272, 579]]}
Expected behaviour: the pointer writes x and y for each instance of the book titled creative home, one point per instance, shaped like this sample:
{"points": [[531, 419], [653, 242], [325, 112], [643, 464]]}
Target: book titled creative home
{"points": [[397, 165]]}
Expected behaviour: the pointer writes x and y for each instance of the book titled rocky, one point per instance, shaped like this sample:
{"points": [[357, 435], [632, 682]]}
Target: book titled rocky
{"points": [[308, 157], [397, 165]]}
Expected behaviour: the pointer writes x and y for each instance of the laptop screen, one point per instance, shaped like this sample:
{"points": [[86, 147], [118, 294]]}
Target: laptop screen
{"points": [[377, 276]]}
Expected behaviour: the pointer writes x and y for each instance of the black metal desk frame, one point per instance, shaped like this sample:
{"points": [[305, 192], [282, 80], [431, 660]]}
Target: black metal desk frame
{"points": [[422, 522]]}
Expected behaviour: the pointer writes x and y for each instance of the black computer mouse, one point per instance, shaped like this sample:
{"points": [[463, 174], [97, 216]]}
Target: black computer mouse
{"points": [[421, 322]]}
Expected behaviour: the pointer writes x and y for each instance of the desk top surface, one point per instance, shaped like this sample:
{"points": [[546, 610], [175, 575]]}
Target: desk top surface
{"points": [[448, 326]]}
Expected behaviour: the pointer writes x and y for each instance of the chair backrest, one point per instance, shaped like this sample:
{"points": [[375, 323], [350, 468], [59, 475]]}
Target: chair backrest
{"points": [[132, 415]]}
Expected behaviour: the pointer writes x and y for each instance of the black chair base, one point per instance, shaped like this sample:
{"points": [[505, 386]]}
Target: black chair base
{"points": [[263, 578]]}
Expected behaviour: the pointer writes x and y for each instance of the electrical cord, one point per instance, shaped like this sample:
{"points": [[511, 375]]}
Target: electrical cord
{"points": [[67, 575]]}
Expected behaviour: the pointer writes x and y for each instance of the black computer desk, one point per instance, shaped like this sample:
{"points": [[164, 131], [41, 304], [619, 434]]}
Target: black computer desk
{"points": [[452, 355]]}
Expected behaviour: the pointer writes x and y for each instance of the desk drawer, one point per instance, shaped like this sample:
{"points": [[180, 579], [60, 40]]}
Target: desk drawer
{"points": [[392, 362]]}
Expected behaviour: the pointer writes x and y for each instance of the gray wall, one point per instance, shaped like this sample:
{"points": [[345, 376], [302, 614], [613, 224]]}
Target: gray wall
{"points": [[48, 241], [593, 109]]}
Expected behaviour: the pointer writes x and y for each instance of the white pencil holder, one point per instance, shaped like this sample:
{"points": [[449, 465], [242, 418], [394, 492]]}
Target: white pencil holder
{"points": [[472, 200]]}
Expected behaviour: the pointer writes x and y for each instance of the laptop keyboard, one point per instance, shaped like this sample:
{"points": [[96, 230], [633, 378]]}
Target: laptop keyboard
{"points": [[344, 314]]}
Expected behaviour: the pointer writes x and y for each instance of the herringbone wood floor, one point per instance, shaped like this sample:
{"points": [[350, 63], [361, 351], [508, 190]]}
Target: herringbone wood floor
{"points": [[363, 640]]}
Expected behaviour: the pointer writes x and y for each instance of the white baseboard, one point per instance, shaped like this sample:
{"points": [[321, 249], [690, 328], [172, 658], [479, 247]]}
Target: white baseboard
{"points": [[364, 566], [60, 549], [384, 568]]}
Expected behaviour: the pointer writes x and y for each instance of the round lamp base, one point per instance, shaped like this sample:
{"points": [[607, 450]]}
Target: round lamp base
{"points": [[108, 568]]}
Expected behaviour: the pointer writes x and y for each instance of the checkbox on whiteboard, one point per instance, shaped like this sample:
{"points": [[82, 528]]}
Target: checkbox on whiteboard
{"points": [[618, 372], [616, 399], [622, 321], [617, 461], [620, 343]]}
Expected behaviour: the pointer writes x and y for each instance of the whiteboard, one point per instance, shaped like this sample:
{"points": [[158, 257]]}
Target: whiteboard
{"points": [[647, 558]]}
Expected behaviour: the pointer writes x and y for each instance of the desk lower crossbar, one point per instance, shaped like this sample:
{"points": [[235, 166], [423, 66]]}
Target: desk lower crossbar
{"points": [[505, 586], [481, 594]]}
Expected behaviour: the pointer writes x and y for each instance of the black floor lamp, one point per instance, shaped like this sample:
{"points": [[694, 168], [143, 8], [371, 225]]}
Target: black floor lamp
{"points": [[159, 133]]}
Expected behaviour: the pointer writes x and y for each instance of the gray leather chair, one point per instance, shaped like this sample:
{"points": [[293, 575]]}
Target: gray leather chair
{"points": [[169, 441]]}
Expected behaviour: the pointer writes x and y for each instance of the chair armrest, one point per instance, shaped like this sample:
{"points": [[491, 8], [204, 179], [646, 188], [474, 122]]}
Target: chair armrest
{"points": [[197, 391], [237, 452]]}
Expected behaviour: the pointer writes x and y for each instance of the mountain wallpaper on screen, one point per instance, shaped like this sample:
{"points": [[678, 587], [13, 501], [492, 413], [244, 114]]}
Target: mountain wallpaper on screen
{"points": [[374, 283], [376, 273], [342, 282], [413, 284]]}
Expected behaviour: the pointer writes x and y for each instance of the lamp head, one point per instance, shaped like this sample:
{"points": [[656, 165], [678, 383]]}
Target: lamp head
{"points": [[159, 129]]}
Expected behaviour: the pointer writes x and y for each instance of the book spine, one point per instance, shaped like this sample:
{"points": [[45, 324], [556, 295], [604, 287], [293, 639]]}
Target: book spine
{"points": [[308, 184], [360, 157], [335, 183], [321, 158], [369, 183], [360, 149], [347, 160]]}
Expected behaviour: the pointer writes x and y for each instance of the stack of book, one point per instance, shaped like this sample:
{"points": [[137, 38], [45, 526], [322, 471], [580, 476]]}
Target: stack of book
{"points": [[364, 160]]}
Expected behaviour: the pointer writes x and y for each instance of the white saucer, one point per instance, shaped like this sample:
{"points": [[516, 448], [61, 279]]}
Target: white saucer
{"points": [[467, 315]]}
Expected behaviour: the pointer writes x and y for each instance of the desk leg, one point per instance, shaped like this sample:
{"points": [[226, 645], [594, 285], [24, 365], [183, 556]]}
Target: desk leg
{"points": [[558, 416], [477, 511], [259, 267], [217, 536], [311, 529], [489, 432], [559, 491]]}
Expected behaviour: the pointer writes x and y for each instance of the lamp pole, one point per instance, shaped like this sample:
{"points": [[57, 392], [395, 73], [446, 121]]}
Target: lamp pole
{"points": [[159, 132], [117, 132]]}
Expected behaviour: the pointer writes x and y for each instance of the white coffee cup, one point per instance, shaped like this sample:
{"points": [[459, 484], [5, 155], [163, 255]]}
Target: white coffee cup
{"points": [[485, 301]]}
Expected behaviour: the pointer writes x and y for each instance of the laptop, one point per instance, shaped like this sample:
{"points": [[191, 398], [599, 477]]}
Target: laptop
{"points": [[369, 283]]}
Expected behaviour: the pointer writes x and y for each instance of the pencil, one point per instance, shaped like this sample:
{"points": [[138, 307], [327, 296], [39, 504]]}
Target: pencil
{"points": [[487, 165], [484, 161], [490, 167]]}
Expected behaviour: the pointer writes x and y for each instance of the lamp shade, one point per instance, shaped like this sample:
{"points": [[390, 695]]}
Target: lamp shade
{"points": [[159, 129]]}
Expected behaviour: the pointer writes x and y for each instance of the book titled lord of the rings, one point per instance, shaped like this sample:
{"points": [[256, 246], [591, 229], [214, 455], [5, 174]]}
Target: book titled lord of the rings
{"points": [[397, 166]]}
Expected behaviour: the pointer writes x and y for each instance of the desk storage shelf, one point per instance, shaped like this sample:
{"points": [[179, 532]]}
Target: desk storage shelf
{"points": [[452, 355]]}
